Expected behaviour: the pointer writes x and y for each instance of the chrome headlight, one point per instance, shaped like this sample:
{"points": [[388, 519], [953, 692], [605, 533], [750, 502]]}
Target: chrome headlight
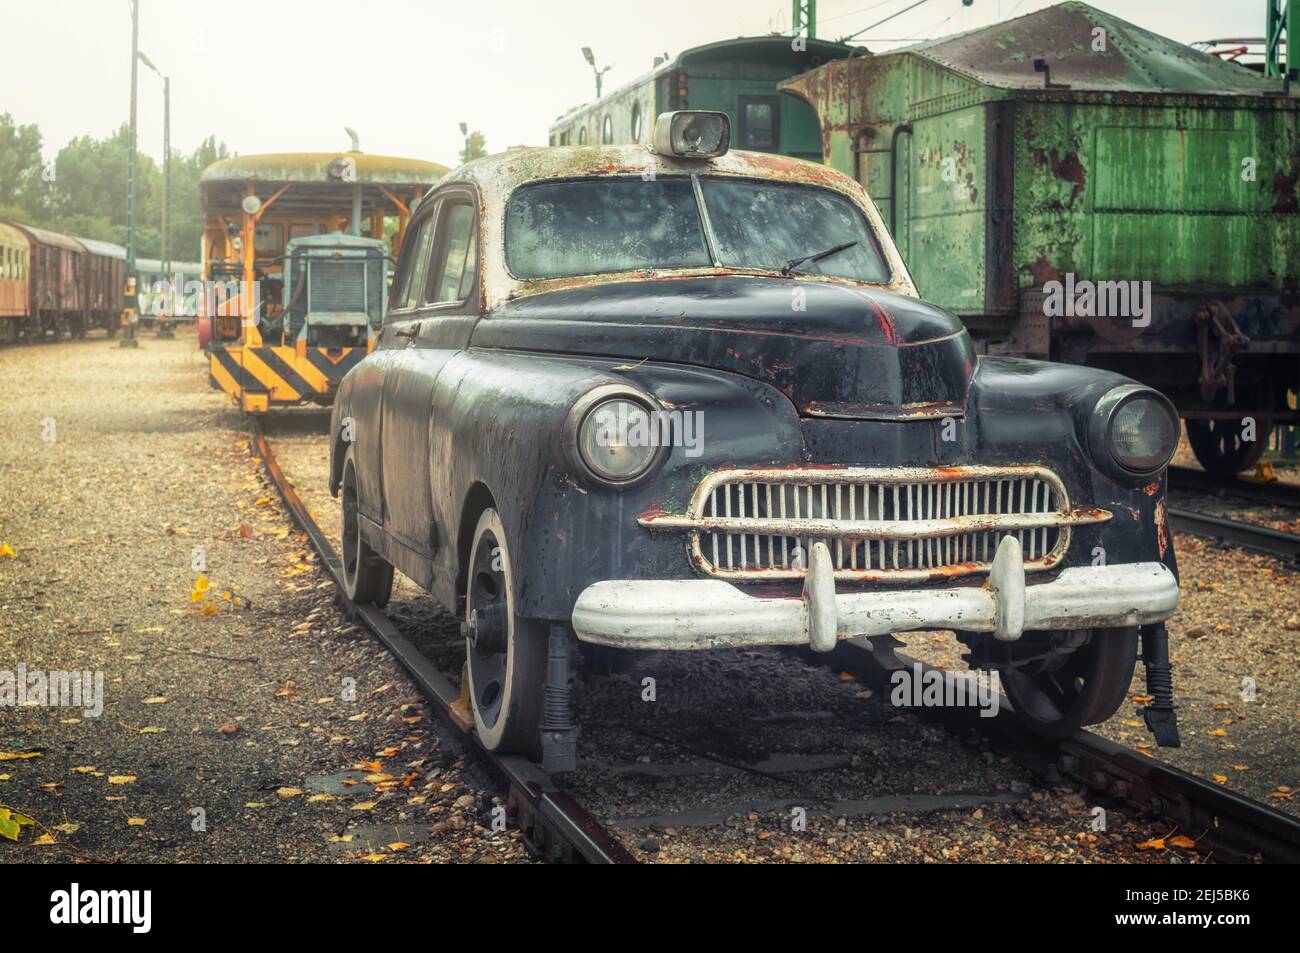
{"points": [[614, 434], [1134, 431]]}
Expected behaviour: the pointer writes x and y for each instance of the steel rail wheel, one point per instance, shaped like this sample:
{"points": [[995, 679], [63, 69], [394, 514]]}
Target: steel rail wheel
{"points": [[1057, 693], [1220, 449]]}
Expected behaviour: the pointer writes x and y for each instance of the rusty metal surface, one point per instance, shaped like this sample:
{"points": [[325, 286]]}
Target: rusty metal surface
{"points": [[496, 177], [1146, 161], [1133, 60]]}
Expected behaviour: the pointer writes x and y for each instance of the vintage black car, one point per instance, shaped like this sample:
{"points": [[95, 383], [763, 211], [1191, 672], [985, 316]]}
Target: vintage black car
{"points": [[681, 397]]}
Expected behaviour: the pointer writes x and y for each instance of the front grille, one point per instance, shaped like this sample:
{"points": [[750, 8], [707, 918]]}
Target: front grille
{"points": [[337, 285], [879, 524]]}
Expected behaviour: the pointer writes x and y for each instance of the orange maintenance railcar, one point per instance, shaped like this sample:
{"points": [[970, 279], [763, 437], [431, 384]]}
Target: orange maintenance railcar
{"points": [[260, 212]]}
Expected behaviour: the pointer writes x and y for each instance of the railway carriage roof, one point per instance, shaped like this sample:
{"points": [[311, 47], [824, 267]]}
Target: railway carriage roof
{"points": [[107, 249], [756, 47], [52, 238], [12, 237], [1135, 60], [154, 266], [223, 183]]}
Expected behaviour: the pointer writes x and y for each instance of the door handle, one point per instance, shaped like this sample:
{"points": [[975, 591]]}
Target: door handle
{"points": [[411, 332]]}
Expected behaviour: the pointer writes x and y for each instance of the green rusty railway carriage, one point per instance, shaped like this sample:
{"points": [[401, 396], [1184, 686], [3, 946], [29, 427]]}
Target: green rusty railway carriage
{"points": [[1068, 148], [738, 77]]}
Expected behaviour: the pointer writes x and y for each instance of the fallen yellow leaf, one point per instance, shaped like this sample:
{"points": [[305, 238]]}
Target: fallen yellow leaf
{"points": [[136, 821], [18, 755], [121, 779]]}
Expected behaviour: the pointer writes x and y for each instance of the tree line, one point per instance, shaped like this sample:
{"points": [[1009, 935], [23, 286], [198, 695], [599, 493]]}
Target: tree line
{"points": [[83, 191]]}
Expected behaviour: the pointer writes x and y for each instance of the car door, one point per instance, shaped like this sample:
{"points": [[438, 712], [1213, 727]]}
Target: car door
{"points": [[366, 388], [441, 305]]}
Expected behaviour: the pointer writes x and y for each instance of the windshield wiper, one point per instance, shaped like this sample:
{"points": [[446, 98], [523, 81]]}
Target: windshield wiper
{"points": [[794, 263]]}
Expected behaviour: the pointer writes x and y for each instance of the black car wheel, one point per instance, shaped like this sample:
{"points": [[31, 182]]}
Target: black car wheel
{"points": [[505, 654], [1060, 691], [367, 576], [1220, 449]]}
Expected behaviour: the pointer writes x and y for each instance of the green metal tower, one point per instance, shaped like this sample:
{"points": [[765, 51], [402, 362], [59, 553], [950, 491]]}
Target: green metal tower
{"points": [[803, 18], [1282, 23]]}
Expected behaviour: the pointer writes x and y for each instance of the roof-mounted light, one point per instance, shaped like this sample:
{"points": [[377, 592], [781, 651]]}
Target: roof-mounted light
{"points": [[692, 134]]}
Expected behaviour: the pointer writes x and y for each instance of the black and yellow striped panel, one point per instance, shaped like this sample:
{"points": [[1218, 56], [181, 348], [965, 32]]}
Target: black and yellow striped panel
{"points": [[279, 372]]}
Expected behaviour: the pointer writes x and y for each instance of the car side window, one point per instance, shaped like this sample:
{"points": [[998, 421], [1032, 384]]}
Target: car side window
{"points": [[402, 278], [456, 255], [419, 265]]}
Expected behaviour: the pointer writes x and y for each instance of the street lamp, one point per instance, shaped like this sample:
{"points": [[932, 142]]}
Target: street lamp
{"points": [[591, 58], [130, 315], [164, 326]]}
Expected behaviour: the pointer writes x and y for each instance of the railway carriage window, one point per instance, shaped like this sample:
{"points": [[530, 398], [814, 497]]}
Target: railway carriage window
{"points": [[636, 122], [607, 130], [453, 272], [268, 239], [760, 121]]}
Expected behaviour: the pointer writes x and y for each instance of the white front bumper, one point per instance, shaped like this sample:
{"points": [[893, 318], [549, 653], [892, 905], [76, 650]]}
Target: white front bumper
{"points": [[709, 613]]}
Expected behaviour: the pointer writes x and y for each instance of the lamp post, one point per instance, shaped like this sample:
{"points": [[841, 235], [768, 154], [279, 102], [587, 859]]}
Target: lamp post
{"points": [[130, 314], [164, 324], [591, 59]]}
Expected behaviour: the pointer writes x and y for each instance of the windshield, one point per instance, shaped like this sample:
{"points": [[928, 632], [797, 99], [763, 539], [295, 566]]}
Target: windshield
{"points": [[599, 226]]}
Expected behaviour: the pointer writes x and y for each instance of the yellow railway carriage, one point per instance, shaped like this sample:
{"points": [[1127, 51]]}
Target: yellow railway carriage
{"points": [[14, 266], [283, 319]]}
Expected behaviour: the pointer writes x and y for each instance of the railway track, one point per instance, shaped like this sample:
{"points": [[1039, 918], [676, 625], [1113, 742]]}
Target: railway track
{"points": [[1198, 481], [1236, 828], [1251, 536], [559, 829], [555, 827]]}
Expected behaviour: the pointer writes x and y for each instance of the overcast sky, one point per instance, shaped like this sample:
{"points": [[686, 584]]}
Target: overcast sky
{"points": [[287, 75]]}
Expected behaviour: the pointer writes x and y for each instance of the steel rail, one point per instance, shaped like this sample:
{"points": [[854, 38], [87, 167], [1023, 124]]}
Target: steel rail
{"points": [[554, 825], [1198, 481], [1235, 827], [1259, 539]]}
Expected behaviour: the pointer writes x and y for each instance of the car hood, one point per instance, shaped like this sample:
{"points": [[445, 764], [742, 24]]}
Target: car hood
{"points": [[834, 350]]}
